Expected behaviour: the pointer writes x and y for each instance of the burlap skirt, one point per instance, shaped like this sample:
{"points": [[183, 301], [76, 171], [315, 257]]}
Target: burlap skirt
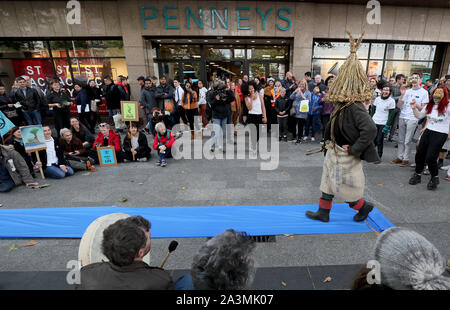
{"points": [[342, 174]]}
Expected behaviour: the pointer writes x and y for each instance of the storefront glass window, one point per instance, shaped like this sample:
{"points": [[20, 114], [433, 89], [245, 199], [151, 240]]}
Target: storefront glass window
{"points": [[191, 72], [326, 67], [410, 52], [179, 51], [326, 49], [377, 50], [23, 49], [170, 70], [218, 52], [262, 52], [257, 70], [408, 68], [96, 48], [277, 70]]}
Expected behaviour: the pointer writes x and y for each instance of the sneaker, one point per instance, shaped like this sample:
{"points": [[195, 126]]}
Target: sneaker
{"points": [[404, 163], [313, 139], [163, 164], [158, 163], [305, 138], [426, 171], [415, 179], [413, 165], [445, 167], [298, 141], [432, 185], [143, 159], [322, 142], [396, 161]]}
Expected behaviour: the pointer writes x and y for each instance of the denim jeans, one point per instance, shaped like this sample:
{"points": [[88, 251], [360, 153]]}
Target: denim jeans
{"points": [[184, 283], [6, 185], [149, 124], [312, 121], [218, 123], [54, 172], [33, 117], [112, 113], [406, 130], [167, 153]]}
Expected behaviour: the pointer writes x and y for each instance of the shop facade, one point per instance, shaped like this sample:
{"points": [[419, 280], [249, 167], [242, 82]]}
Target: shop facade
{"points": [[204, 40]]}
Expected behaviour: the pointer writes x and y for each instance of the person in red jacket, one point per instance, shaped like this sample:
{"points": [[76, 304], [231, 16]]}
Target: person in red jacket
{"points": [[107, 137], [163, 143]]}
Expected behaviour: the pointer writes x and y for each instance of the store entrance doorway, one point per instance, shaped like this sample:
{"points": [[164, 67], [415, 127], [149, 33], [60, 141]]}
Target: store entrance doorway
{"points": [[224, 69]]}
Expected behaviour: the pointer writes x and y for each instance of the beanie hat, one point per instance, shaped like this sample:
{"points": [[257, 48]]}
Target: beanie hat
{"points": [[409, 261]]}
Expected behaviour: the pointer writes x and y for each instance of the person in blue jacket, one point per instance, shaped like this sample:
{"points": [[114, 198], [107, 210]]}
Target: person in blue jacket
{"points": [[313, 119]]}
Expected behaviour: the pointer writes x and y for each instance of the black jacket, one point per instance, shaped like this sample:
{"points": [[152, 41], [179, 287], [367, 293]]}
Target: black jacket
{"points": [[358, 128], [30, 102], [137, 276], [282, 105], [220, 108], [148, 99], [43, 155], [142, 140], [12, 113], [162, 93], [112, 95], [58, 97], [84, 134], [93, 93]]}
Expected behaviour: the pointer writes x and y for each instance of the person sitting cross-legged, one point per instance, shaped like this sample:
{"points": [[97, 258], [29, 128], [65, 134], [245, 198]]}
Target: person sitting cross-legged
{"points": [[52, 158], [106, 137], [163, 142], [125, 243], [74, 151], [135, 143], [13, 169]]}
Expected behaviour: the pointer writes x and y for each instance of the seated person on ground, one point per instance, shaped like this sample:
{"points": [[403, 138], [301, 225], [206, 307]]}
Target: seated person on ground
{"points": [[135, 142], [106, 137], [80, 131], [224, 262], [13, 169], [14, 138], [407, 261], [163, 143], [53, 163], [125, 243], [74, 151]]}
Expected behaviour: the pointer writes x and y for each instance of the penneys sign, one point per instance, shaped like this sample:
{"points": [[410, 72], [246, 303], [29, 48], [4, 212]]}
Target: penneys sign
{"points": [[219, 17]]}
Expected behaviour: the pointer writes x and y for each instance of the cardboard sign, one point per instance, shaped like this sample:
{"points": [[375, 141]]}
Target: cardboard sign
{"points": [[107, 156], [130, 112], [33, 138]]}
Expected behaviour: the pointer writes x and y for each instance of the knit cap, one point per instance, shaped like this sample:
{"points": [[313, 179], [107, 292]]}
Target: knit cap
{"points": [[409, 261]]}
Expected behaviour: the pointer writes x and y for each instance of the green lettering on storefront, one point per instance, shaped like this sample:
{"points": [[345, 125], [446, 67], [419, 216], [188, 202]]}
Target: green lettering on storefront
{"points": [[189, 13]]}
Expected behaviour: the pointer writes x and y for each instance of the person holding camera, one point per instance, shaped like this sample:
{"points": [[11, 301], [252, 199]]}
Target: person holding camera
{"points": [[220, 107]]}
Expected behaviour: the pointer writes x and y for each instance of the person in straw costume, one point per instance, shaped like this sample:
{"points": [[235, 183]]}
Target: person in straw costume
{"points": [[349, 137]]}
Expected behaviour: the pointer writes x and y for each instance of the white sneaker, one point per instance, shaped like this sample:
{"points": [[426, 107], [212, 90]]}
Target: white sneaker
{"points": [[143, 159], [305, 138], [313, 139], [445, 167]]}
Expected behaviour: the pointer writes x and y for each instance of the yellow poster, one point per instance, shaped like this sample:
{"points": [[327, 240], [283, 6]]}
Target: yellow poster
{"points": [[130, 111]]}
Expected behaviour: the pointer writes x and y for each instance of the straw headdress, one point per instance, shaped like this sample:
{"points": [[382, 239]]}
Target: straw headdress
{"points": [[351, 83]]}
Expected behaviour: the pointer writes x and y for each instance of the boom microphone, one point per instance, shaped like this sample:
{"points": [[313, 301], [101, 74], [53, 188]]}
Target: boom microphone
{"points": [[172, 246]]}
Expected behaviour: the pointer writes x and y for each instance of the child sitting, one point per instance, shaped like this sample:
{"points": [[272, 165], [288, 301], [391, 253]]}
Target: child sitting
{"points": [[164, 140]]}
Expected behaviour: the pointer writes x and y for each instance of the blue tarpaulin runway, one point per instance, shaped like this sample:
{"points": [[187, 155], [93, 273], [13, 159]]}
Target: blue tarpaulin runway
{"points": [[189, 222]]}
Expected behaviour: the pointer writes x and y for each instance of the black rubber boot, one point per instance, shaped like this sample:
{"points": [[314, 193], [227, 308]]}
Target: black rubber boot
{"points": [[363, 213], [415, 179], [321, 215], [432, 185]]}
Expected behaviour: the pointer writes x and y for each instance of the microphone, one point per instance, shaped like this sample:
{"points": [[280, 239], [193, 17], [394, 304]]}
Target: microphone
{"points": [[172, 246]]}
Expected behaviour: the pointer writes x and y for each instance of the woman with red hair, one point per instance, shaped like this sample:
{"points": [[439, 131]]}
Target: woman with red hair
{"points": [[437, 131]]}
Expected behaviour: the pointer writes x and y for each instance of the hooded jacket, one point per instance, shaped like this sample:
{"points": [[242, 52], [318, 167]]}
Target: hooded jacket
{"points": [[18, 170]]}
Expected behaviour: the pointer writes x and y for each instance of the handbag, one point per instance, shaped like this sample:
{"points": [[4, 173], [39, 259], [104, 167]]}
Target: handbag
{"points": [[168, 105], [118, 122], [93, 105], [292, 112]]}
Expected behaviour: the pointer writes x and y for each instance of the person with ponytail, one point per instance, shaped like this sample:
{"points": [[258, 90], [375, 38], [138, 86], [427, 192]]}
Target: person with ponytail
{"points": [[433, 138]]}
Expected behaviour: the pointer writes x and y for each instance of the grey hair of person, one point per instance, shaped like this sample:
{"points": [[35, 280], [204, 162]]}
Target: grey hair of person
{"points": [[409, 261], [224, 262], [160, 125], [63, 131]]}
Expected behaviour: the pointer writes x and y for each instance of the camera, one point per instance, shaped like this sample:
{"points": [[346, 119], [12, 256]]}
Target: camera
{"points": [[220, 90]]}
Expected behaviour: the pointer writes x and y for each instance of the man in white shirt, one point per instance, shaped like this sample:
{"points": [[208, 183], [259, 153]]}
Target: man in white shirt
{"points": [[178, 96], [408, 121]]}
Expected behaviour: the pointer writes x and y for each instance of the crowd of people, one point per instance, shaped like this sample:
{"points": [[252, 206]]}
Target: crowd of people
{"points": [[228, 262], [298, 106]]}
